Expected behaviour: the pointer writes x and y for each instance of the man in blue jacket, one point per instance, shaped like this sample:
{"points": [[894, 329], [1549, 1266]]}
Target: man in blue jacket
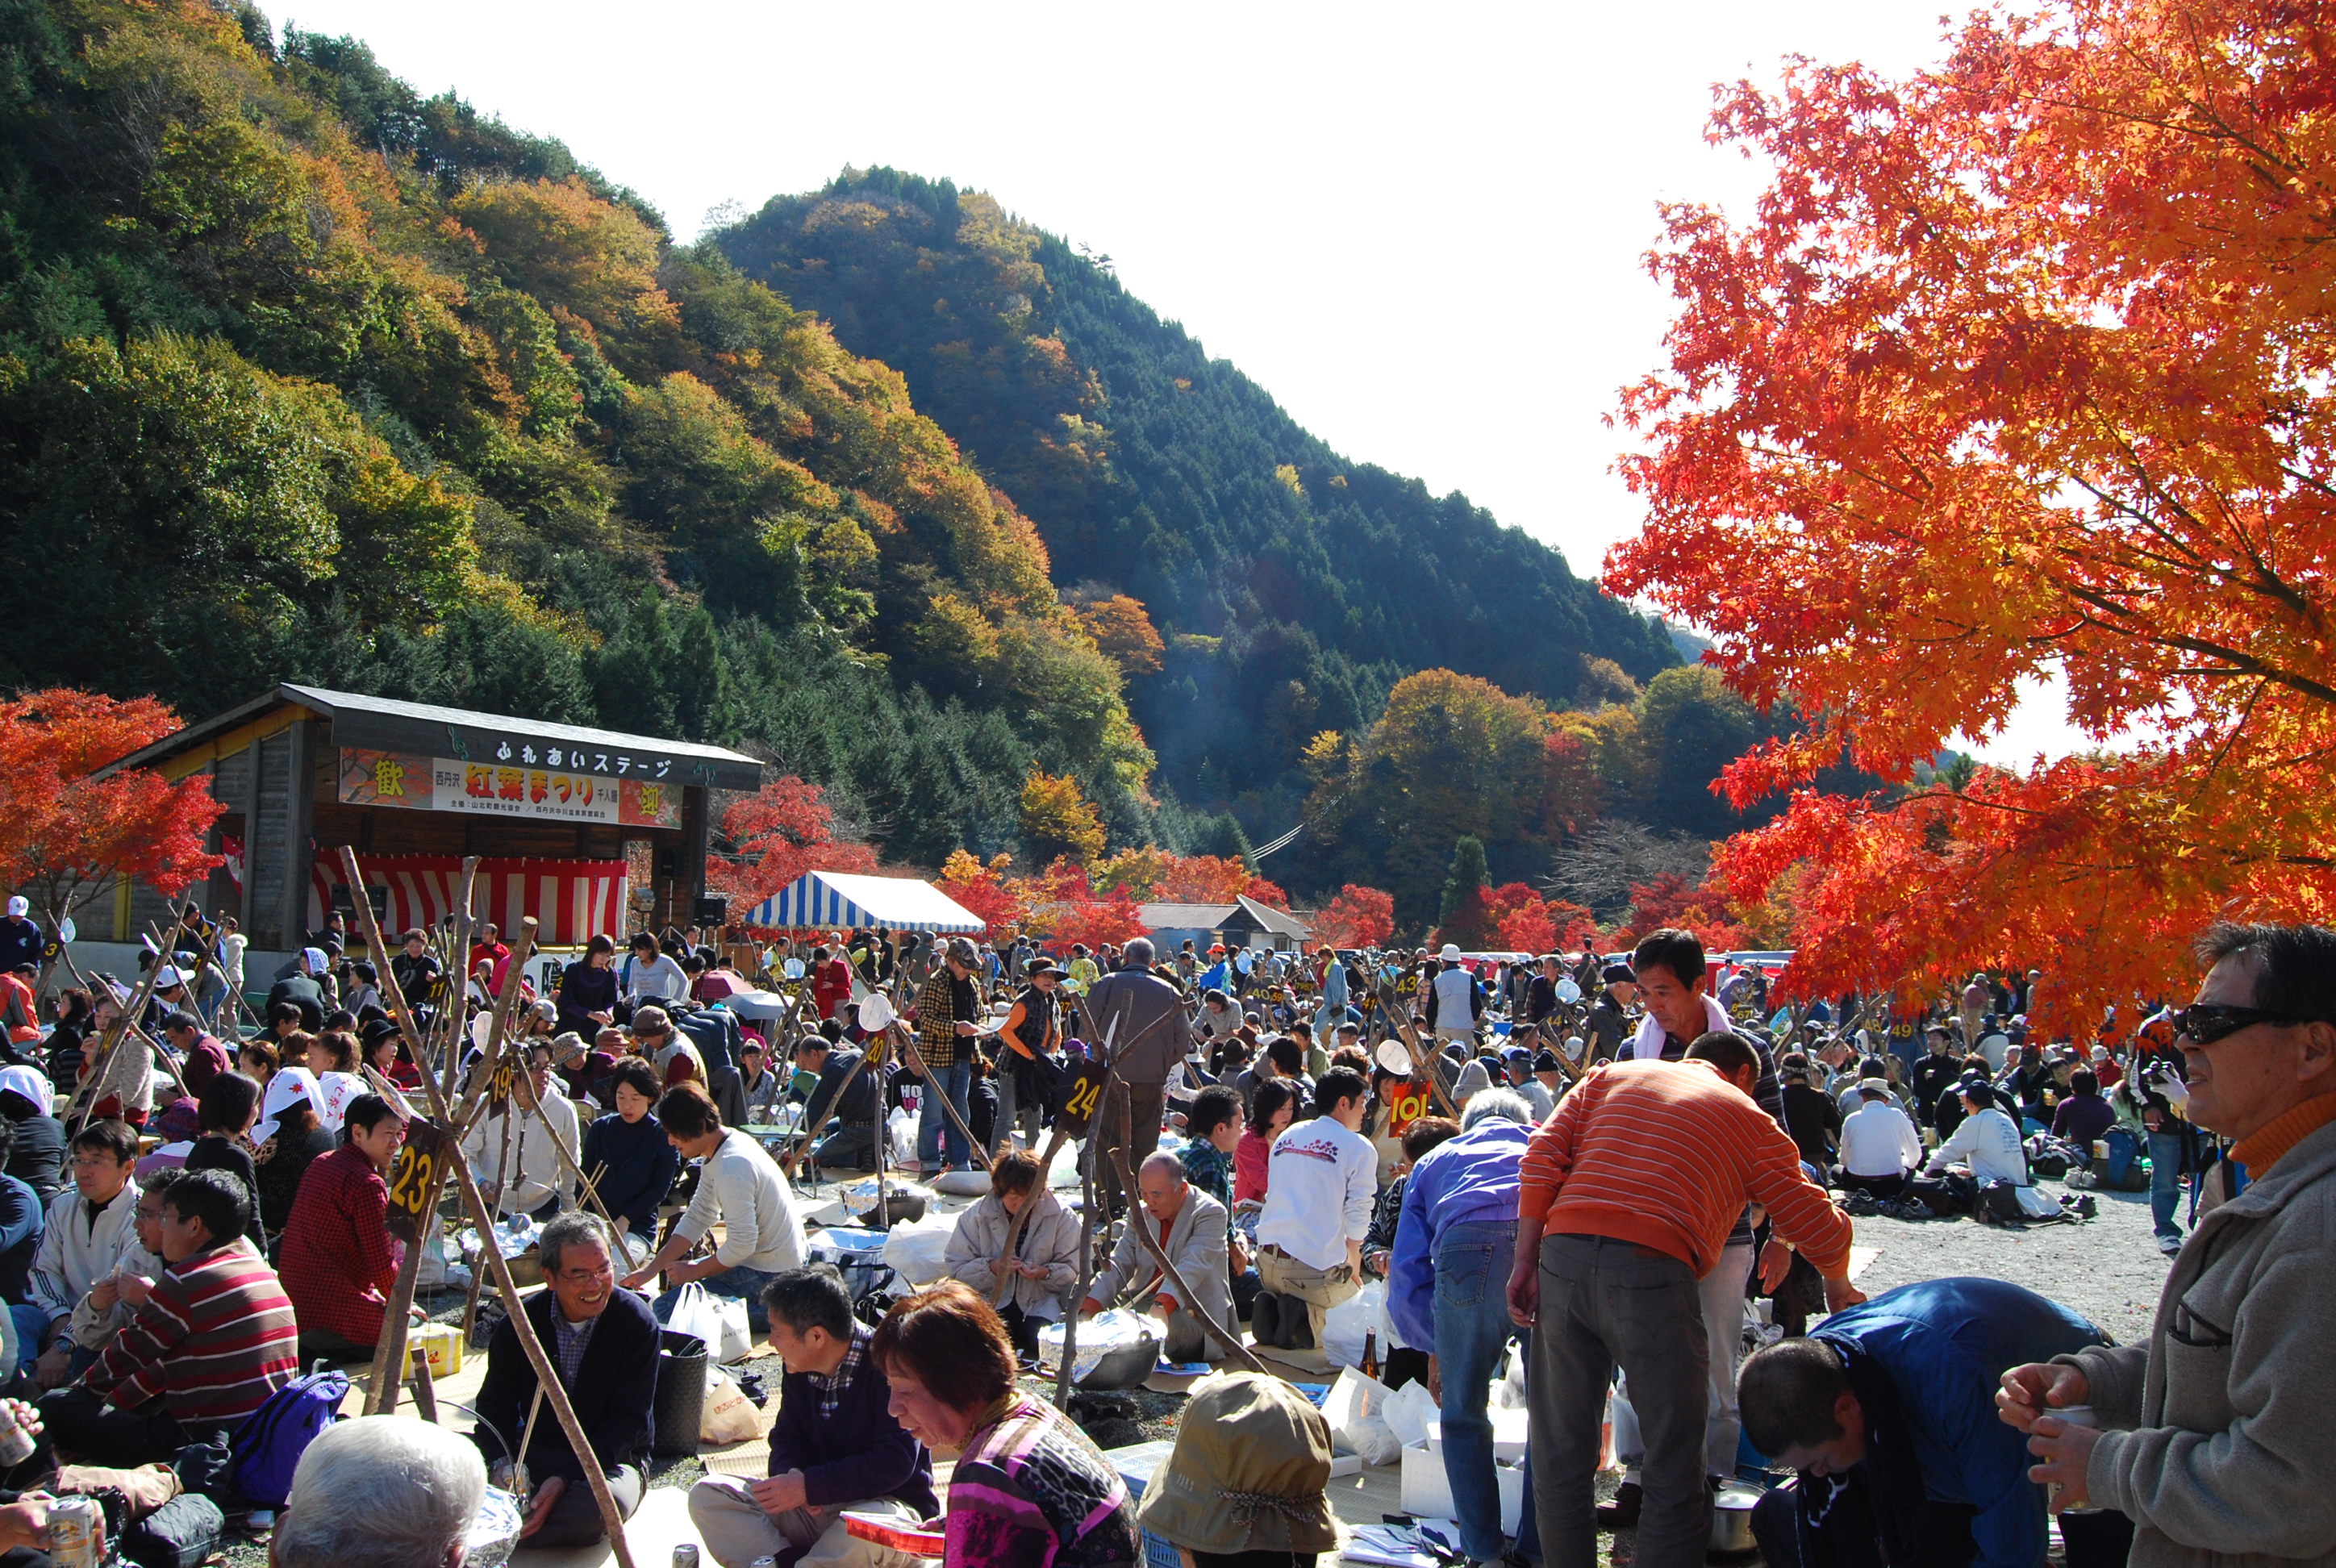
{"points": [[1888, 1413], [834, 1445], [605, 1344], [1445, 1275]]}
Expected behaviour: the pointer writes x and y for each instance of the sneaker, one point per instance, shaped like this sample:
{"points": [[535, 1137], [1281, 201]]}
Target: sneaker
{"points": [[1622, 1513], [1859, 1205], [2169, 1245]]}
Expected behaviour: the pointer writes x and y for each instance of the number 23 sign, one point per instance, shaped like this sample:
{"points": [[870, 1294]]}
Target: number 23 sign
{"points": [[413, 1178]]}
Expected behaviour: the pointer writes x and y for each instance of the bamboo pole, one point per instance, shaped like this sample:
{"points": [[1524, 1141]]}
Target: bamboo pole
{"points": [[110, 1041]]}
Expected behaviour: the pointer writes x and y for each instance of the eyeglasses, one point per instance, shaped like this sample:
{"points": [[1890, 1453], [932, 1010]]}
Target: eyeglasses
{"points": [[2205, 1023]]}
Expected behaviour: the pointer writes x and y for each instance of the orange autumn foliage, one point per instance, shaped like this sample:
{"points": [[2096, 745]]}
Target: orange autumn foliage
{"points": [[2019, 370]]}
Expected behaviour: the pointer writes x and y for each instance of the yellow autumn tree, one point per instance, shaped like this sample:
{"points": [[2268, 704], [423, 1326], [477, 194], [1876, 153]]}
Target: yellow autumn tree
{"points": [[1057, 819]]}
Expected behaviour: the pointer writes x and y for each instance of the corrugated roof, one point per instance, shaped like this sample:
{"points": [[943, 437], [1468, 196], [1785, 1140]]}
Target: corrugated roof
{"points": [[393, 723], [1215, 916]]}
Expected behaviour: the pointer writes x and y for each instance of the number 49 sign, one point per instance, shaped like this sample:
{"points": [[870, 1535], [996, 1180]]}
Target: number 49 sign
{"points": [[413, 1178]]}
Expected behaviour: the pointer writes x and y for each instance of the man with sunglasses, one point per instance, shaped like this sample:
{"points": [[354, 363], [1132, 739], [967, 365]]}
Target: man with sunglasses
{"points": [[2213, 1436]]}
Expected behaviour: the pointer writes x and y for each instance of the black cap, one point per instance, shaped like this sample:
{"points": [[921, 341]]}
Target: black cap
{"points": [[1619, 975], [1545, 1061]]}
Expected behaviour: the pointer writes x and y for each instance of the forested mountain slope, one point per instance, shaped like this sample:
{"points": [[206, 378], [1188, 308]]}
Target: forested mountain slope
{"points": [[303, 375], [1293, 587]]}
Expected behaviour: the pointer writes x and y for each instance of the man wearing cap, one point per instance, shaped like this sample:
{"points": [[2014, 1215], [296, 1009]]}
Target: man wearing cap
{"points": [[1608, 1025], [1986, 1139], [1456, 999], [302, 990], [1027, 1064], [949, 1019], [20, 935], [1250, 1474], [1139, 1018], [1190, 1227], [854, 1143]]}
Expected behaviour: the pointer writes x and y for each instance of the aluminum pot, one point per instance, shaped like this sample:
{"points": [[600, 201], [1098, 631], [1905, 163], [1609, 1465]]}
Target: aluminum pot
{"points": [[1732, 1518]]}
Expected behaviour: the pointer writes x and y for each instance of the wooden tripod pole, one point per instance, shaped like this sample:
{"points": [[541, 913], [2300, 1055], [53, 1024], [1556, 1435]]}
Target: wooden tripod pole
{"points": [[1229, 1338], [547, 1374], [110, 1041]]}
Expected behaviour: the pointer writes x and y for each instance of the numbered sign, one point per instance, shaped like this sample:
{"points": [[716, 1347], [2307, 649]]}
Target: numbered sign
{"points": [[1079, 1101], [413, 1178], [1407, 1102]]}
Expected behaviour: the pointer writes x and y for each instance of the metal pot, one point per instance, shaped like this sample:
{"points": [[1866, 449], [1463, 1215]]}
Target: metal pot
{"points": [[1125, 1367], [1732, 1518]]}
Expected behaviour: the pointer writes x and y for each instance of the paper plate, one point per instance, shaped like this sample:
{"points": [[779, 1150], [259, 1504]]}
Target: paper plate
{"points": [[1567, 991], [1394, 1059], [875, 1012]]}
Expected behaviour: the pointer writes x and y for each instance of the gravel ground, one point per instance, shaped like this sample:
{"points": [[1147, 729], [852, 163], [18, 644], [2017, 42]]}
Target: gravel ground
{"points": [[2107, 1269]]}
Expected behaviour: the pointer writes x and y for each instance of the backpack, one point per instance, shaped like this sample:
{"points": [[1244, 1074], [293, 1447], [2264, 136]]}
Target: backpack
{"points": [[268, 1446]]}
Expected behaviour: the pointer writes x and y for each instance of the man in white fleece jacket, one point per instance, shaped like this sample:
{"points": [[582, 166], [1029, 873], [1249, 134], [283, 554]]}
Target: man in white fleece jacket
{"points": [[1321, 1181]]}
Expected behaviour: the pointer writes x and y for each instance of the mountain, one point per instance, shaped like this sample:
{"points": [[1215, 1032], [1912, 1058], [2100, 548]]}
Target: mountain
{"points": [[303, 375], [1292, 587]]}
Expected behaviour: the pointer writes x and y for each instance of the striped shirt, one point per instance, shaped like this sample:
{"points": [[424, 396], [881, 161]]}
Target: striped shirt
{"points": [[1666, 1155], [214, 1339]]}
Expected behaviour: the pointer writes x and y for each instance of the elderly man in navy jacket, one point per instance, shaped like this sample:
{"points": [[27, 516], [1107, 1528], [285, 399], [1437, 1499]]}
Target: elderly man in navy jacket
{"points": [[834, 1445], [604, 1341], [1888, 1412]]}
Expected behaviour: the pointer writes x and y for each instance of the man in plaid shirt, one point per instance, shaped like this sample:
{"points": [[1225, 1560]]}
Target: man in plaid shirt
{"points": [[947, 1015], [214, 1339]]}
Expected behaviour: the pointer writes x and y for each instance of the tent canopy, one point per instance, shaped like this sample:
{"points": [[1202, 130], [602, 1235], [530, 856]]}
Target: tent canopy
{"points": [[839, 898]]}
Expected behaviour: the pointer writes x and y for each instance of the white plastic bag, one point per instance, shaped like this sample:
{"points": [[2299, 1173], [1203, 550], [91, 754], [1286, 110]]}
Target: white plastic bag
{"points": [[728, 1416], [1408, 1412], [901, 1128], [1356, 1410], [919, 1250], [737, 1341], [694, 1313], [1346, 1324], [1099, 1336]]}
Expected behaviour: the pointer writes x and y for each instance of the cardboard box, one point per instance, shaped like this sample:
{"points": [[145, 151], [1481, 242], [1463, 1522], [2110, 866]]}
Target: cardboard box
{"points": [[441, 1344], [1509, 1435], [1428, 1492]]}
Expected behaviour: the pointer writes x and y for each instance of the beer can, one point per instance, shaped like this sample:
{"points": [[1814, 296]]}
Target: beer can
{"points": [[685, 1557], [16, 1443], [77, 1533]]}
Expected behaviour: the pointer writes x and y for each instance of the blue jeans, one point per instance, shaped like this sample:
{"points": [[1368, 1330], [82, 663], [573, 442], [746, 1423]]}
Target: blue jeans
{"points": [[2164, 1181], [935, 1130], [1473, 1329]]}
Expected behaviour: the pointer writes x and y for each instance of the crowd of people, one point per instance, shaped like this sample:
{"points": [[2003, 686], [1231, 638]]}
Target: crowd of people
{"points": [[1585, 1164]]}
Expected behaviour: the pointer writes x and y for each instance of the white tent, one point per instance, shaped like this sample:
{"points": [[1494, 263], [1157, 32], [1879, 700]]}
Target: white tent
{"points": [[838, 900]]}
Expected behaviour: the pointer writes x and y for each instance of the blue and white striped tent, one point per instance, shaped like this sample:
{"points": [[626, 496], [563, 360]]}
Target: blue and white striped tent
{"points": [[837, 899]]}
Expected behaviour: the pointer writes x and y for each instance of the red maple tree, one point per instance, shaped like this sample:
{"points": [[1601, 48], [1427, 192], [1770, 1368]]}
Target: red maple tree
{"points": [[1359, 917], [65, 833], [985, 891], [785, 829], [2015, 373]]}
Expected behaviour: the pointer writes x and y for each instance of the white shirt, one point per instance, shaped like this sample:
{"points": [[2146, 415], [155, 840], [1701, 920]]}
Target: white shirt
{"points": [[231, 948], [657, 979], [1996, 1046], [528, 1169], [744, 1189], [1319, 1194], [1877, 1140], [1991, 1142]]}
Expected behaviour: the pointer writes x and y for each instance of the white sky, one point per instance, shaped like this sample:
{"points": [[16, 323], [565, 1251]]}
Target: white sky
{"points": [[1420, 227]]}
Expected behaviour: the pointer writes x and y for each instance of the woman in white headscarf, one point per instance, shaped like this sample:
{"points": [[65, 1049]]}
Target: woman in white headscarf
{"points": [[290, 1134], [38, 1157]]}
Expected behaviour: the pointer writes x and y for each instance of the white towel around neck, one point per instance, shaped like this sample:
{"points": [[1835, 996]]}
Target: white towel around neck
{"points": [[1646, 1045]]}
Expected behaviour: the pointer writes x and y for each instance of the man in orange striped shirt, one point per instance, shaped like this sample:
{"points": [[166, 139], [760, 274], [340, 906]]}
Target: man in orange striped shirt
{"points": [[1628, 1195]]}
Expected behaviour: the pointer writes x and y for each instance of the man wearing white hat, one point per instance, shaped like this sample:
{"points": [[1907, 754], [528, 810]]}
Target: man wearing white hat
{"points": [[1456, 999], [20, 935]]}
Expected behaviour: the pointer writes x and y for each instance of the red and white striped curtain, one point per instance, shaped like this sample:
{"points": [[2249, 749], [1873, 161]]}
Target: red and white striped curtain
{"points": [[575, 901]]}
